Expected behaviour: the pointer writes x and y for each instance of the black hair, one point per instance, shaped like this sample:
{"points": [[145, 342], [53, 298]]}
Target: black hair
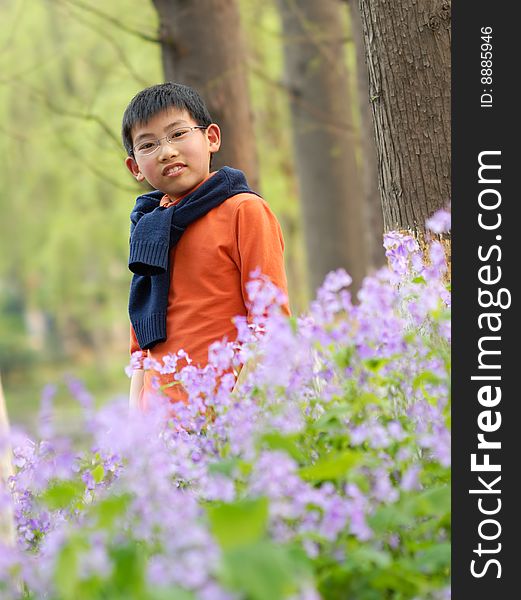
{"points": [[157, 98]]}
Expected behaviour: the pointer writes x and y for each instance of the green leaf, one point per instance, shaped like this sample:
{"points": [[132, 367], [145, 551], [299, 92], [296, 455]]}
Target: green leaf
{"points": [[344, 357], [362, 401], [434, 558], [170, 593], [332, 416], [233, 467], [66, 572], [375, 364], [425, 377], [66, 568], [61, 494], [293, 322], [109, 509], [226, 466], [404, 513], [332, 466], [390, 518], [435, 502], [287, 443], [264, 571], [98, 473], [400, 577], [239, 523], [366, 558], [129, 570]]}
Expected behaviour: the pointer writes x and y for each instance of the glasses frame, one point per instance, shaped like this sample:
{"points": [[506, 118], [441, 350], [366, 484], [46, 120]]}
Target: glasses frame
{"points": [[167, 137]]}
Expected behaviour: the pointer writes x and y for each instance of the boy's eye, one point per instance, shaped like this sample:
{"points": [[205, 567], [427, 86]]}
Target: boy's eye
{"points": [[145, 146], [178, 133]]}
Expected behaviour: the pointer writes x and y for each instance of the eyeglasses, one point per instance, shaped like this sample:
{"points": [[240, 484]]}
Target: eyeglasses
{"points": [[176, 136]]}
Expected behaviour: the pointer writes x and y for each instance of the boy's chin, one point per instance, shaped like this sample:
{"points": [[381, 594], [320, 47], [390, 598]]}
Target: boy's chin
{"points": [[181, 188], [177, 192]]}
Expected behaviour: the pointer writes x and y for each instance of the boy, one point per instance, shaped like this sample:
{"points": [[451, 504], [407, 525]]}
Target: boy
{"points": [[194, 240]]}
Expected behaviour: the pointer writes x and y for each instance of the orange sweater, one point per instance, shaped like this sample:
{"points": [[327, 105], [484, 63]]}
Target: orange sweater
{"points": [[210, 266]]}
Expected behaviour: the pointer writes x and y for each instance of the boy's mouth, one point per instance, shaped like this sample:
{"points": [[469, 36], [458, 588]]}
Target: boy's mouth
{"points": [[173, 170]]}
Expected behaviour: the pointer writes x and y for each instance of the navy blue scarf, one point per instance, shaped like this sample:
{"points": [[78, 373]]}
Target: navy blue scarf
{"points": [[154, 230]]}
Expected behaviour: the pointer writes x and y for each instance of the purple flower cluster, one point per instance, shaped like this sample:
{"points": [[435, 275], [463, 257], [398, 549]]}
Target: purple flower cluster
{"points": [[343, 412], [440, 222]]}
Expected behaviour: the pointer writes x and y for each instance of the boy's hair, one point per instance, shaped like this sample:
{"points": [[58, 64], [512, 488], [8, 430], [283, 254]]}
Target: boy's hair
{"points": [[157, 98]]}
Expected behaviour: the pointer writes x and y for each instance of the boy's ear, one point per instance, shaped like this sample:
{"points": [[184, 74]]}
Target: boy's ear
{"points": [[133, 167], [214, 137]]}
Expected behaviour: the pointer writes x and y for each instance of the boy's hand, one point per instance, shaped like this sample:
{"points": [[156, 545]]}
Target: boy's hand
{"points": [[136, 386], [246, 369]]}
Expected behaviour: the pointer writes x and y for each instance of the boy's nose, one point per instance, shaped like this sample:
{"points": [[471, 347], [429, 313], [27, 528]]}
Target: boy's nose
{"points": [[167, 150]]}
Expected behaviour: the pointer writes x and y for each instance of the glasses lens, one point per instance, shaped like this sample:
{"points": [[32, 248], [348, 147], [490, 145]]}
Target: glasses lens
{"points": [[178, 134], [146, 146]]}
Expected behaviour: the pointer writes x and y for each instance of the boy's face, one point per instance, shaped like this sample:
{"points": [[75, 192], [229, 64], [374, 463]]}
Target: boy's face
{"points": [[173, 168]]}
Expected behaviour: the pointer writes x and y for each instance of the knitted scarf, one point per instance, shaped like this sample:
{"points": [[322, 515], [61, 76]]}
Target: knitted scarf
{"points": [[154, 230]]}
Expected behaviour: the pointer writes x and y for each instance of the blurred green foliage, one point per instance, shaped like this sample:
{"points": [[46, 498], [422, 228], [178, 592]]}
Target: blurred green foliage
{"points": [[67, 75], [69, 68]]}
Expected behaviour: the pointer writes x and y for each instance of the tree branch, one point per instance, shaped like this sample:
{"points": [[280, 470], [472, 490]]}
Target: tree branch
{"points": [[14, 135], [84, 116], [13, 28], [120, 52], [115, 22], [98, 172]]}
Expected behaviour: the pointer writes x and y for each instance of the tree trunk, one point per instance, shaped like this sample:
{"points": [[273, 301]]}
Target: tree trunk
{"points": [[7, 525], [202, 47], [323, 138], [369, 163], [407, 45]]}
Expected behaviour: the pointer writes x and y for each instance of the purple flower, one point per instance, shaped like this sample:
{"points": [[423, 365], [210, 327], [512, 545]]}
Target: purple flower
{"points": [[217, 487], [151, 364], [357, 507], [169, 364], [368, 378], [263, 296], [400, 250], [440, 221], [410, 479], [136, 362], [212, 591], [95, 562], [45, 425], [439, 444], [220, 355], [396, 431], [383, 489], [337, 280], [79, 392]]}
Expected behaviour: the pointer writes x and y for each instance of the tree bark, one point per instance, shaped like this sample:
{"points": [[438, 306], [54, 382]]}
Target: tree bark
{"points": [[369, 162], [407, 46], [202, 46], [323, 138]]}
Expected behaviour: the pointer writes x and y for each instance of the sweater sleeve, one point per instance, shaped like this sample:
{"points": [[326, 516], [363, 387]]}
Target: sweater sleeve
{"points": [[260, 245]]}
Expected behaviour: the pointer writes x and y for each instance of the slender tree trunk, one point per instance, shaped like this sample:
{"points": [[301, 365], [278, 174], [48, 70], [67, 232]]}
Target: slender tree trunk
{"points": [[407, 45], [202, 46], [7, 526], [323, 138], [369, 162]]}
